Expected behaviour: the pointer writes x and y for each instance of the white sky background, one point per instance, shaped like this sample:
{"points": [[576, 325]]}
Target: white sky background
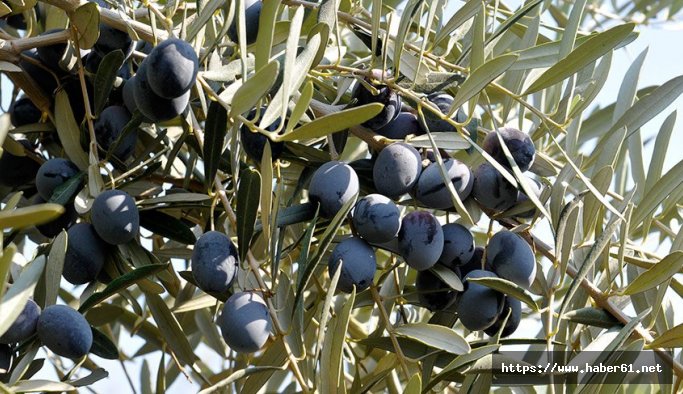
{"points": [[663, 62]]}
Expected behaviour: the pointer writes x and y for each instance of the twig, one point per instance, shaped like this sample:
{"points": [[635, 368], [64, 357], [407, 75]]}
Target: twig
{"points": [[86, 100], [394, 341]]}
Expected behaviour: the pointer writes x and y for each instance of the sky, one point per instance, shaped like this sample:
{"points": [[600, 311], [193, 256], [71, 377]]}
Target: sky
{"points": [[664, 61]]}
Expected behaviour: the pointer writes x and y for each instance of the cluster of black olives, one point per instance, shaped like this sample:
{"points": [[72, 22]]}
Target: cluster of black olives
{"points": [[114, 219], [159, 89], [60, 328], [244, 321], [507, 256], [418, 237], [398, 170]]}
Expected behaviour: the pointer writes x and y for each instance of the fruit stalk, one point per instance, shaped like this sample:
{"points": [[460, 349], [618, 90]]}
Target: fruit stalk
{"points": [[383, 313]]}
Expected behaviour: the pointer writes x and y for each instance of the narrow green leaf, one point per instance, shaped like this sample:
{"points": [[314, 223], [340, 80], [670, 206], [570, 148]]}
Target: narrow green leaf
{"points": [[266, 29], [161, 370], [609, 352], [660, 191], [601, 180], [5, 264], [146, 379], [306, 247], [414, 385], [248, 199], [595, 251], [55, 265], [198, 302], [170, 199], [67, 190], [569, 33], [436, 336], [447, 141], [649, 106], [481, 77], [229, 71], [566, 230], [507, 287], [40, 385], [677, 242], [583, 55], [376, 20], [447, 276], [323, 244], [512, 20], [96, 375], [407, 15], [202, 17], [254, 89], [107, 313], [4, 11], [141, 257], [167, 226], [325, 315], [629, 87], [672, 338], [214, 137], [588, 95], [274, 355], [328, 124], [478, 32], [86, 20], [327, 13], [24, 363], [68, 130], [291, 50], [548, 54], [295, 319], [15, 298], [235, 376], [301, 65], [627, 95], [659, 273], [266, 194], [300, 107], [592, 317], [105, 77], [29, 216], [120, 283], [170, 329], [292, 215], [332, 380], [102, 346], [12, 201], [322, 30], [460, 362], [462, 15], [662, 142]]}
